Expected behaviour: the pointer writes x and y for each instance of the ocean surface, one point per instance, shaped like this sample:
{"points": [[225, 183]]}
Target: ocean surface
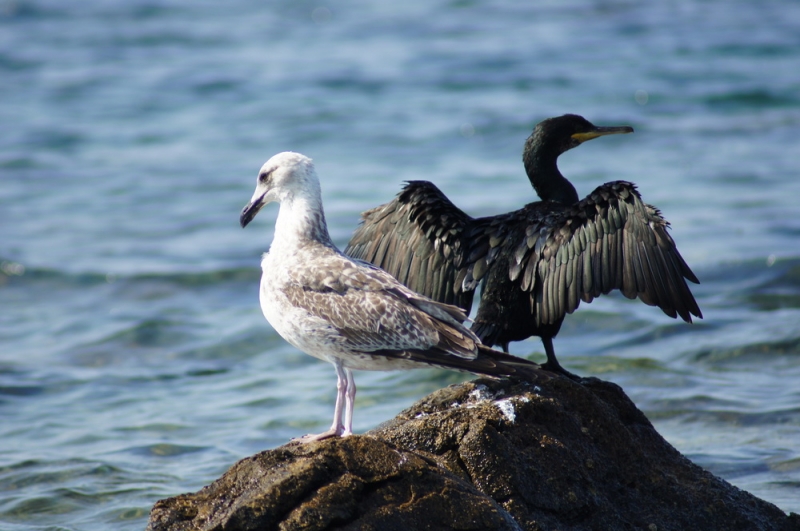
{"points": [[135, 363]]}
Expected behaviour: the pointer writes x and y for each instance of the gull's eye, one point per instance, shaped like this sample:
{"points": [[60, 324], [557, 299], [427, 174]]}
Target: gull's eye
{"points": [[265, 177]]}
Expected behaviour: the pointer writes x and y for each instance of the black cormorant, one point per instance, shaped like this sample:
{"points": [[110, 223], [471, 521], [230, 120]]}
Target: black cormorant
{"points": [[536, 263]]}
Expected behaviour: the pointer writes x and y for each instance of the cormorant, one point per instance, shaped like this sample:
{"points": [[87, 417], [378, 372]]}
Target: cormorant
{"points": [[536, 263]]}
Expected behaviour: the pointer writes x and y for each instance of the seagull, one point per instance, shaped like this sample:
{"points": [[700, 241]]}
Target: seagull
{"points": [[538, 263], [348, 312]]}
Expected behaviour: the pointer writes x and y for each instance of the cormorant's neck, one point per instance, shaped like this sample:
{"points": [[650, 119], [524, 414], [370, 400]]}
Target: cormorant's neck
{"points": [[542, 170]]}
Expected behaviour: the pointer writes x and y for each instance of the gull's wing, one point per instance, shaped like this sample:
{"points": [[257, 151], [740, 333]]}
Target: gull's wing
{"points": [[371, 313]]}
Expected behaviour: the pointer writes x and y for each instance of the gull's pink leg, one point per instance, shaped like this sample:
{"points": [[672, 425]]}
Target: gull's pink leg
{"points": [[350, 400], [343, 377]]}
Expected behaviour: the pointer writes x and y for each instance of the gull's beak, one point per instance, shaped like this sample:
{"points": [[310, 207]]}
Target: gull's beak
{"points": [[602, 131], [251, 209]]}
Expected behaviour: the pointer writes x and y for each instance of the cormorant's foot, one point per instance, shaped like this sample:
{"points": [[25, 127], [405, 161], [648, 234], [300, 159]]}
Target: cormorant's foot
{"points": [[319, 437], [558, 369]]}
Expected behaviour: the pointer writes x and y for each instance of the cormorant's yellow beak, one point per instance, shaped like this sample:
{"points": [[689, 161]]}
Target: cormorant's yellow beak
{"points": [[602, 131]]}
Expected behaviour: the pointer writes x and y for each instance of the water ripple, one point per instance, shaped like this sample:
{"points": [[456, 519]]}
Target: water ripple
{"points": [[131, 135]]}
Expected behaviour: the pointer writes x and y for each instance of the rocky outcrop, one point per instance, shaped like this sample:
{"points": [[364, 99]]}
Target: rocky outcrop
{"points": [[482, 455]]}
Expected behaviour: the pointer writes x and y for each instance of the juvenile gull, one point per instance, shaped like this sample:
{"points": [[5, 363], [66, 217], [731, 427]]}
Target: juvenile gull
{"points": [[349, 312]]}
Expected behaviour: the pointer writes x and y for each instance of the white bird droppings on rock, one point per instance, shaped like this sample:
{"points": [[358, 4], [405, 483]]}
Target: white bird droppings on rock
{"points": [[506, 407]]}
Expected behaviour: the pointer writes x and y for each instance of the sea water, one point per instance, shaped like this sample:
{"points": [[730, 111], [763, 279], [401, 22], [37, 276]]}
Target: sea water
{"points": [[135, 363]]}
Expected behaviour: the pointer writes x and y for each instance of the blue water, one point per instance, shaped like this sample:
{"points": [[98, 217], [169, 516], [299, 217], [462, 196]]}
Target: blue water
{"points": [[134, 360]]}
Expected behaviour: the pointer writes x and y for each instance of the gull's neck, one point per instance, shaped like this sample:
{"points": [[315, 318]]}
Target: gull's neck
{"points": [[301, 221]]}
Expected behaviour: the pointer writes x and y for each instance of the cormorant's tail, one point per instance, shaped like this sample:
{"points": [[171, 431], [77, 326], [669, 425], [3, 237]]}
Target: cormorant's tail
{"points": [[511, 366]]}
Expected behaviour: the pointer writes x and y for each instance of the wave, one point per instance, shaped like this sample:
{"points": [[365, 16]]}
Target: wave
{"points": [[18, 273]]}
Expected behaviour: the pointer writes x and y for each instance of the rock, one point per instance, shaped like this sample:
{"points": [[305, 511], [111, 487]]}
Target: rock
{"points": [[488, 454], [356, 483]]}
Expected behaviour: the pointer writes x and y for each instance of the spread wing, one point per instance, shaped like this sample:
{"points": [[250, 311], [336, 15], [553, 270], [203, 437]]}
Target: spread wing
{"points": [[418, 238], [609, 240]]}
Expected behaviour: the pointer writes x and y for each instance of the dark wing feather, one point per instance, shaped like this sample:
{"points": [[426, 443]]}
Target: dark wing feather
{"points": [[488, 361], [489, 242], [418, 238], [609, 240]]}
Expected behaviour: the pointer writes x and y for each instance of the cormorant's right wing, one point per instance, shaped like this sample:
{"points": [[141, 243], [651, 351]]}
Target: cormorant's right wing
{"points": [[418, 238], [611, 240]]}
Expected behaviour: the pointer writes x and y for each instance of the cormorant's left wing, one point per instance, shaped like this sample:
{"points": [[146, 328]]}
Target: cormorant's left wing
{"points": [[418, 239]]}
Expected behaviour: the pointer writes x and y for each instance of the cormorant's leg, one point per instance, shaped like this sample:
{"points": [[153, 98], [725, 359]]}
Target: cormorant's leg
{"points": [[552, 364], [337, 428]]}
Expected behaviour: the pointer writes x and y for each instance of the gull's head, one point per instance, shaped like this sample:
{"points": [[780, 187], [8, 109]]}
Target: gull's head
{"points": [[282, 177]]}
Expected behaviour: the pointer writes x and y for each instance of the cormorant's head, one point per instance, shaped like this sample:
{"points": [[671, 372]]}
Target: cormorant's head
{"points": [[551, 138], [554, 136]]}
